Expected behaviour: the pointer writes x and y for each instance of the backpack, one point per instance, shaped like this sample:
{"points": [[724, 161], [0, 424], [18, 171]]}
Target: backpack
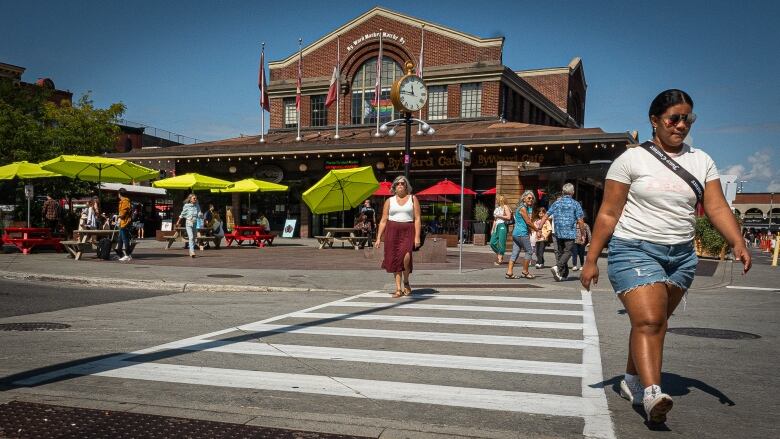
{"points": [[104, 249]]}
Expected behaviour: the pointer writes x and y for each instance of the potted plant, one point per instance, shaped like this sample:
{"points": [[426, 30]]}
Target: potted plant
{"points": [[481, 214], [708, 241]]}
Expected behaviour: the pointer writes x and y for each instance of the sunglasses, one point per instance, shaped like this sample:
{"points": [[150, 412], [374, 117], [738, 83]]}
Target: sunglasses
{"points": [[675, 119], [401, 183]]}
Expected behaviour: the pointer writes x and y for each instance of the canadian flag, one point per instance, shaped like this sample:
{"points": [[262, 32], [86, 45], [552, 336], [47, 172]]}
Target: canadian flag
{"points": [[334, 87]]}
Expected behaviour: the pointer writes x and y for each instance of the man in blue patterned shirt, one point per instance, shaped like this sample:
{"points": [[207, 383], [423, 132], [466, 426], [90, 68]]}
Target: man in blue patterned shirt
{"points": [[566, 213]]}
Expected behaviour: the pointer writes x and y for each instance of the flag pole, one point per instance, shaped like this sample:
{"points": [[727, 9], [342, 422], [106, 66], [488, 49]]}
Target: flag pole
{"points": [[378, 90], [299, 98], [338, 83], [420, 72], [262, 94]]}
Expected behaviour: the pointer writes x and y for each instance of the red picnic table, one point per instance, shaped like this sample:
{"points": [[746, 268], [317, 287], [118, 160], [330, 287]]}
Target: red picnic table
{"points": [[26, 238], [257, 235]]}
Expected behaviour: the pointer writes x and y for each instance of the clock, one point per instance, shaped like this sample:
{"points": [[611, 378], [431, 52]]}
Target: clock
{"points": [[409, 93]]}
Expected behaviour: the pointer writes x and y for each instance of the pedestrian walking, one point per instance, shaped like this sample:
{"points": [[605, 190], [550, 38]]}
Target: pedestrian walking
{"points": [[543, 234], [566, 214], [190, 213], [521, 239], [230, 222], [124, 220], [649, 212], [581, 241], [502, 214], [400, 225], [51, 213]]}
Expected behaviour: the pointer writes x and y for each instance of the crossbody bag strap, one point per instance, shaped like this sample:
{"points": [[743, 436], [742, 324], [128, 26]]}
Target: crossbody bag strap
{"points": [[675, 167]]}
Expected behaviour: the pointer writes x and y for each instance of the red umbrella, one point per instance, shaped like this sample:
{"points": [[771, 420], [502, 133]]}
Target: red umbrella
{"points": [[384, 189], [489, 192], [445, 187]]}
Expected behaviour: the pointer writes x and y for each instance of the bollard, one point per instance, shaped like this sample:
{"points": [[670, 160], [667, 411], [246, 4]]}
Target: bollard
{"points": [[777, 250]]}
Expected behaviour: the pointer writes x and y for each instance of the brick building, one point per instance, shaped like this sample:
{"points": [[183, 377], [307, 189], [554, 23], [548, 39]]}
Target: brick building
{"points": [[525, 128]]}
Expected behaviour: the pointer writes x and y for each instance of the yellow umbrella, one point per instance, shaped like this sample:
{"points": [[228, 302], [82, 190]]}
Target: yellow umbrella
{"points": [[25, 170], [341, 189], [99, 169], [251, 185], [192, 181]]}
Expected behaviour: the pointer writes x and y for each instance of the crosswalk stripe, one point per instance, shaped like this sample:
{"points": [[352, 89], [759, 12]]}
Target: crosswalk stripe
{"points": [[418, 335], [483, 297], [400, 358], [502, 400], [402, 305], [439, 320], [598, 423]]}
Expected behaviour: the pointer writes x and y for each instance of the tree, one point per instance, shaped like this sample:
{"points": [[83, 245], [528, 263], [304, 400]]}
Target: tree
{"points": [[35, 129]]}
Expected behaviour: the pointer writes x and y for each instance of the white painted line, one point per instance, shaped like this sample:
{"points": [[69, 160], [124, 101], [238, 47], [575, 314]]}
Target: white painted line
{"points": [[480, 297], [411, 305], [735, 287], [418, 335], [501, 400], [598, 423], [401, 358], [439, 320]]}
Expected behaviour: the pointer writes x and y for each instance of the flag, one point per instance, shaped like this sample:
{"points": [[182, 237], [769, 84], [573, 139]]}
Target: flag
{"points": [[333, 90], [378, 88], [261, 83], [422, 46], [298, 81], [384, 107]]}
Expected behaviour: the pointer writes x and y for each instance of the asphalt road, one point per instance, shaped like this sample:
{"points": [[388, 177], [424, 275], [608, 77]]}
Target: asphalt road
{"points": [[447, 363]]}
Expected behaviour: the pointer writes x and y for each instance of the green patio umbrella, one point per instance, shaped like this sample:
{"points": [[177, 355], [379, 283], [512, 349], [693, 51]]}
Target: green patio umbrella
{"points": [[251, 185], [341, 189], [192, 181], [25, 170], [99, 169]]}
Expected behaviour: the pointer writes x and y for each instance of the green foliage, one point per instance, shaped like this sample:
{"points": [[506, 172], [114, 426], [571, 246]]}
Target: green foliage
{"points": [[34, 129], [711, 240], [481, 212]]}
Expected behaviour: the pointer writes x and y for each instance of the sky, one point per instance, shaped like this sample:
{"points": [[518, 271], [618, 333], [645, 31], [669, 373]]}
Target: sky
{"points": [[190, 67]]}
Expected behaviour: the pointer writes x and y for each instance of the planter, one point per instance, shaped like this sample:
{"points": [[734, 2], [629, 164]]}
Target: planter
{"points": [[703, 253], [480, 239], [480, 227]]}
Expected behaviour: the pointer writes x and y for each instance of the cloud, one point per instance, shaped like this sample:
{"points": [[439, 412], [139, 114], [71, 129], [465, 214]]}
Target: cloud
{"points": [[759, 171]]}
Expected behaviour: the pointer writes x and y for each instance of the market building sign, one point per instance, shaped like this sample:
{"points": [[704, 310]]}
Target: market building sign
{"points": [[451, 161], [374, 36]]}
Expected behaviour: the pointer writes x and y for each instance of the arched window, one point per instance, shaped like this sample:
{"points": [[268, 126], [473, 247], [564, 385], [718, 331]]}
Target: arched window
{"points": [[364, 104]]}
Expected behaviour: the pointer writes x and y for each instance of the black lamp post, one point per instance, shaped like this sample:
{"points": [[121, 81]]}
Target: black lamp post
{"points": [[388, 128]]}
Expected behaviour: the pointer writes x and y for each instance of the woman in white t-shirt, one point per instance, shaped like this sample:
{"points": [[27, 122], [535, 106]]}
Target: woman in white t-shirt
{"points": [[400, 226], [649, 212]]}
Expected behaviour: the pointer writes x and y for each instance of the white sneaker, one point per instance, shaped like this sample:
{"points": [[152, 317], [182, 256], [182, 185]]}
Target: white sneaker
{"points": [[633, 393], [556, 273], [575, 269], [657, 404], [124, 258]]}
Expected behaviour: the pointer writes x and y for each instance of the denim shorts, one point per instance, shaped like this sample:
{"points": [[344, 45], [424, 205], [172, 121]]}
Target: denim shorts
{"points": [[635, 263], [519, 242]]}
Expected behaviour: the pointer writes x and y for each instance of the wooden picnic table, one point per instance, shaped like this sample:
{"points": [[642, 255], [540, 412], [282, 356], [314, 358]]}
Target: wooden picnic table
{"points": [[87, 241], [255, 235], [341, 234], [203, 235], [26, 238]]}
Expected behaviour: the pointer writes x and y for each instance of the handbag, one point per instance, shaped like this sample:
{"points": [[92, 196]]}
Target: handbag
{"points": [[423, 232], [681, 172]]}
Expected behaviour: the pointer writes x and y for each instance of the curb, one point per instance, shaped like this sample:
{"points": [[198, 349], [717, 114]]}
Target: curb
{"points": [[178, 287]]}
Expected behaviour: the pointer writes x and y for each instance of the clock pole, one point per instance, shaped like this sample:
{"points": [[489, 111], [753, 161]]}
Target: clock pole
{"points": [[408, 145]]}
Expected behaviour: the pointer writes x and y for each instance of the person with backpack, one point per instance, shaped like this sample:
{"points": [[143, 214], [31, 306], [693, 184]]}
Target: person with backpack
{"points": [[647, 217], [125, 217]]}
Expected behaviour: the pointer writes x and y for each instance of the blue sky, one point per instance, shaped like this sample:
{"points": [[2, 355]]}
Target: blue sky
{"points": [[191, 66]]}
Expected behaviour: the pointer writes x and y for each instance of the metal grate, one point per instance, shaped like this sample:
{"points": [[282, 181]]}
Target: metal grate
{"points": [[31, 420], [725, 334], [34, 326]]}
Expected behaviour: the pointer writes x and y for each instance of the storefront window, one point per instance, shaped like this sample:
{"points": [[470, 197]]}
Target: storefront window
{"points": [[471, 100], [364, 105], [437, 102]]}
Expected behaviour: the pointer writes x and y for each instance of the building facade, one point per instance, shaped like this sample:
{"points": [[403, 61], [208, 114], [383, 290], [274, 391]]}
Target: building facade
{"points": [[514, 122]]}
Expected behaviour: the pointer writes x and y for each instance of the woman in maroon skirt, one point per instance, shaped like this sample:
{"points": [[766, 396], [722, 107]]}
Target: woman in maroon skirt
{"points": [[400, 226]]}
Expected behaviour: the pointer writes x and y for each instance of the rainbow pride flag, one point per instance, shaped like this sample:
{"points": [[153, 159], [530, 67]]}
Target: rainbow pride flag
{"points": [[385, 107]]}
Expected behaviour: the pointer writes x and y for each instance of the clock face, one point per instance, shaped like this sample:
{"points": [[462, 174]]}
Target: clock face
{"points": [[413, 93]]}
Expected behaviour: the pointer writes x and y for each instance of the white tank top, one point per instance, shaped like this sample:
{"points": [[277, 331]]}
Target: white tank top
{"points": [[399, 213]]}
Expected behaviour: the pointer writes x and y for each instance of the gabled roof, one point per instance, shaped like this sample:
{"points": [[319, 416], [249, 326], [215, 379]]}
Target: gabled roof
{"points": [[382, 12]]}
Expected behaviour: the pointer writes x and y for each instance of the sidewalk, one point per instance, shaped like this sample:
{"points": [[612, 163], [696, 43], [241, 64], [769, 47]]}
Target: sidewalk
{"points": [[289, 265]]}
